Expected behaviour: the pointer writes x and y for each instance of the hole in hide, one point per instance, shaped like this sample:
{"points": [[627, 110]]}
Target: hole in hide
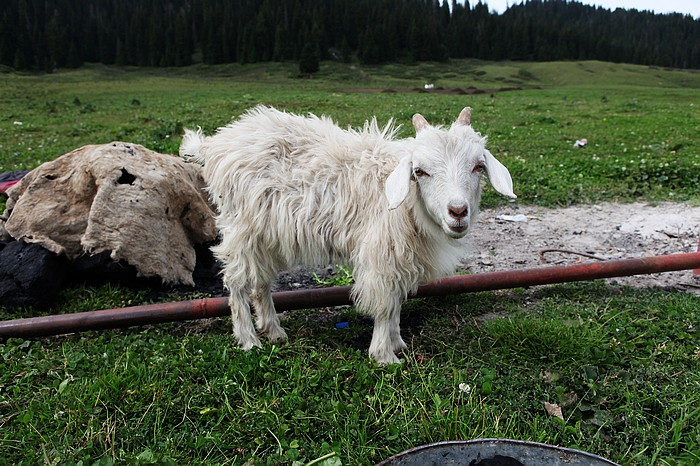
{"points": [[185, 210], [126, 178]]}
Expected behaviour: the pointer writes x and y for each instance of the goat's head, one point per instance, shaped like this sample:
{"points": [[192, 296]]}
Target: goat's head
{"points": [[447, 166]]}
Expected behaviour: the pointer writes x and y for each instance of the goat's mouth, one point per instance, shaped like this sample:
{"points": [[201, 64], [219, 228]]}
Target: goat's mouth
{"points": [[457, 230]]}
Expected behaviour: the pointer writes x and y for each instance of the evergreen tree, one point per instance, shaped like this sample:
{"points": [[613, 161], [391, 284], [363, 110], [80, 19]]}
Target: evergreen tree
{"points": [[308, 63], [283, 49], [42, 35], [8, 37]]}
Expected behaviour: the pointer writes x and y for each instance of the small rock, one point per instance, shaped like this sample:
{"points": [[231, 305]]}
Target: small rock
{"points": [[485, 261], [513, 218]]}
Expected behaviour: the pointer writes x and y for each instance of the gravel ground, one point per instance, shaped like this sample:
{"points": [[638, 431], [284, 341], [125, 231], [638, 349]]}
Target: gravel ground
{"points": [[512, 238]]}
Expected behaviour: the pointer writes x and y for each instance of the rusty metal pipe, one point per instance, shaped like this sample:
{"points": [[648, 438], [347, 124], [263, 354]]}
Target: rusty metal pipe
{"points": [[560, 274], [323, 297]]}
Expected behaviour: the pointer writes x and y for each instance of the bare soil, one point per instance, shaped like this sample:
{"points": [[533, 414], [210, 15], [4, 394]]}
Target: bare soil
{"points": [[605, 231], [436, 90]]}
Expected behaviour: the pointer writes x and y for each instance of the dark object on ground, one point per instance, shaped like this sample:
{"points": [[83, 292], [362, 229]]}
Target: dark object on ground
{"points": [[30, 275], [494, 452]]}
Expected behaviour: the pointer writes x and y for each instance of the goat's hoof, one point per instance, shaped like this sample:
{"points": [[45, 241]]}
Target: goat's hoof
{"points": [[399, 346], [276, 334], [386, 359], [249, 344]]}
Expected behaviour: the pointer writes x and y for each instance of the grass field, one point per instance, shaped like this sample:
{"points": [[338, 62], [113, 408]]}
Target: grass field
{"points": [[621, 363], [643, 139]]}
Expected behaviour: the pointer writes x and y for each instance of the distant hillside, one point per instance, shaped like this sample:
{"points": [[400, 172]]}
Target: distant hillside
{"points": [[40, 36]]}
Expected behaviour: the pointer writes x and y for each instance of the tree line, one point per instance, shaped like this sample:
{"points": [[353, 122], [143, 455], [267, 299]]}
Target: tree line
{"points": [[42, 35]]}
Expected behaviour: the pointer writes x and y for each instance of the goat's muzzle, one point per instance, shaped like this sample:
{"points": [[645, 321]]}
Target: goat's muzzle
{"points": [[458, 212]]}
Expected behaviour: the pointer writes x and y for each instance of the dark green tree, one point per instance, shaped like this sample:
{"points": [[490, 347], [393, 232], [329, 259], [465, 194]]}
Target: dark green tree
{"points": [[41, 35], [308, 61]]}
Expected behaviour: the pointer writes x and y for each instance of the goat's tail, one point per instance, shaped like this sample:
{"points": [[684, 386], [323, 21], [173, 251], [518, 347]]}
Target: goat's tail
{"points": [[189, 148]]}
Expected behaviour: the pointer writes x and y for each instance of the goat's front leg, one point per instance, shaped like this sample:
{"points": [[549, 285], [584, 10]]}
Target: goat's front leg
{"points": [[386, 337], [266, 316], [380, 349], [379, 296], [397, 343]]}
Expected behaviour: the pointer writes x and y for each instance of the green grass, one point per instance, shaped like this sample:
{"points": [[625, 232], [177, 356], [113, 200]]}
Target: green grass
{"points": [[341, 276], [621, 363], [642, 139]]}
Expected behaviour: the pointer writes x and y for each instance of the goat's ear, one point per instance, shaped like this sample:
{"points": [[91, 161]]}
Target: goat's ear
{"points": [[398, 183], [419, 122], [465, 116], [499, 176]]}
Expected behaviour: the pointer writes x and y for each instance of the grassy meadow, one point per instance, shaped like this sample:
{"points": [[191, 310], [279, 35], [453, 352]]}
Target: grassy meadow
{"points": [[621, 363]]}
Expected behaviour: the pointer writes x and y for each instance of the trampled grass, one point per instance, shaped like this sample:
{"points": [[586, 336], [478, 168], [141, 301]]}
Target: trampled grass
{"points": [[621, 363]]}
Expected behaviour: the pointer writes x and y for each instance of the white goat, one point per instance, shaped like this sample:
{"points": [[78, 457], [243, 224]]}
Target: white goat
{"points": [[294, 190]]}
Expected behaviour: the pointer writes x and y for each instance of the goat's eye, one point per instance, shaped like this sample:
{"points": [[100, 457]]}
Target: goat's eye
{"points": [[479, 167], [419, 173]]}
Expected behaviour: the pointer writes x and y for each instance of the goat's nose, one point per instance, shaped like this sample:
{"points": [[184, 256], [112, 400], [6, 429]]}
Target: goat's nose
{"points": [[458, 212]]}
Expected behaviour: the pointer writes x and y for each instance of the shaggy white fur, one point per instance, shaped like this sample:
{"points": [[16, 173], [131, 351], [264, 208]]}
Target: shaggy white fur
{"points": [[294, 190]]}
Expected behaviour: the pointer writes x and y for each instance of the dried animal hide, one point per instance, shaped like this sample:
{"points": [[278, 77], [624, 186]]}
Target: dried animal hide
{"points": [[146, 208]]}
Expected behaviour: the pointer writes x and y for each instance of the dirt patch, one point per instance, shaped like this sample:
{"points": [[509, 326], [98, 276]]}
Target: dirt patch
{"points": [[500, 242], [437, 90], [512, 238]]}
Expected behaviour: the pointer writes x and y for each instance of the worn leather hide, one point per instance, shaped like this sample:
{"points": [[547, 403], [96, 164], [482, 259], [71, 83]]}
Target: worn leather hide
{"points": [[146, 208]]}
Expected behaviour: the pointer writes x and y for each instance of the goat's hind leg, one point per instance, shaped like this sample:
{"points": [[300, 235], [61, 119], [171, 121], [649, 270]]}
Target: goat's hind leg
{"points": [[266, 316]]}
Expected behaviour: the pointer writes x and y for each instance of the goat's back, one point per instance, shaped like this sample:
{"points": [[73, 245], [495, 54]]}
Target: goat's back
{"points": [[301, 185]]}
